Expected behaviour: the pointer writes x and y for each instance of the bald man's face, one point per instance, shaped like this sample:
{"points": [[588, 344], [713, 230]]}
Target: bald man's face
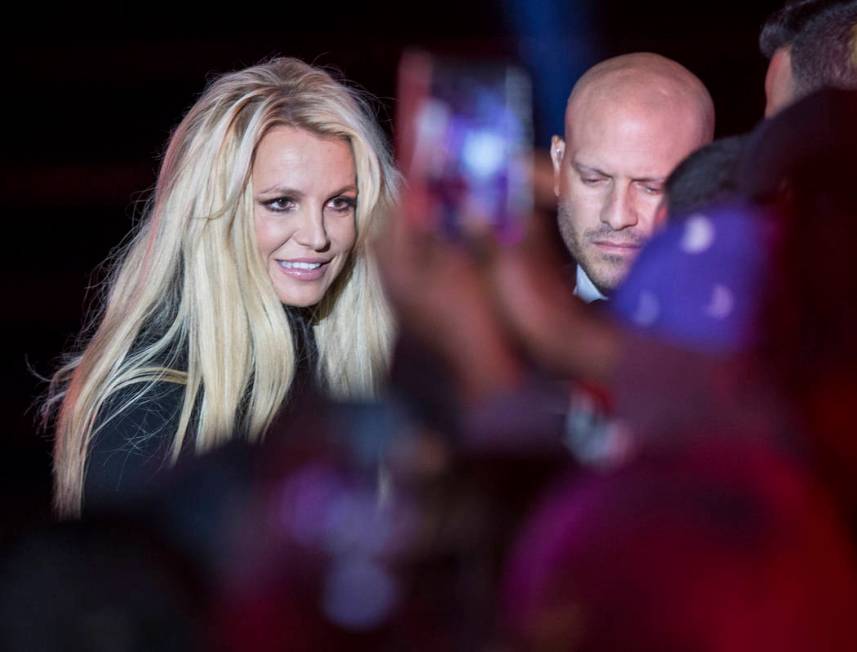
{"points": [[609, 178]]}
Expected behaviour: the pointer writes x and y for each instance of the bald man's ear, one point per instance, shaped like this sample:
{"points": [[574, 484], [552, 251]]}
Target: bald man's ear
{"points": [[779, 81], [557, 153], [662, 213]]}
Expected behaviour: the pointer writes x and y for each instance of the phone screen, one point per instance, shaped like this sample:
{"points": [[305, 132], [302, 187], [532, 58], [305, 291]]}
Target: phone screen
{"points": [[465, 144]]}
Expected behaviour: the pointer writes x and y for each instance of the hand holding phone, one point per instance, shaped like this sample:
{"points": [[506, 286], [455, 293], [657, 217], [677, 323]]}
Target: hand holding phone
{"points": [[465, 144]]}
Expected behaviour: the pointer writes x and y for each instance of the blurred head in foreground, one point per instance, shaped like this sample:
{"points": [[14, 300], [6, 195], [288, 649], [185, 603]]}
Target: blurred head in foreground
{"points": [[711, 548]]}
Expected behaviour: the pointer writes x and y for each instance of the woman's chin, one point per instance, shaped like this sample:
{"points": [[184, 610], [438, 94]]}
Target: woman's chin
{"points": [[301, 297]]}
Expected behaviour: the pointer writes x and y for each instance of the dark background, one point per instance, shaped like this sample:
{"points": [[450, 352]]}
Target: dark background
{"points": [[90, 102]]}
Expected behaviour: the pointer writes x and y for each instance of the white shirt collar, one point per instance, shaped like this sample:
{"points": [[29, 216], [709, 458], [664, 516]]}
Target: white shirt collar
{"points": [[585, 289]]}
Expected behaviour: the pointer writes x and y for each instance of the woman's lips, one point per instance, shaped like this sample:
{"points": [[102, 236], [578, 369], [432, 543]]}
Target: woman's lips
{"points": [[303, 270]]}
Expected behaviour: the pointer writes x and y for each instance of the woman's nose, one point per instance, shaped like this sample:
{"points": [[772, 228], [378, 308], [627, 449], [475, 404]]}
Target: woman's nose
{"points": [[311, 232]]}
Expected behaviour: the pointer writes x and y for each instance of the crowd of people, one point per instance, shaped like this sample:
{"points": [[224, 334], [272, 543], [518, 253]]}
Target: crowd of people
{"points": [[302, 420]]}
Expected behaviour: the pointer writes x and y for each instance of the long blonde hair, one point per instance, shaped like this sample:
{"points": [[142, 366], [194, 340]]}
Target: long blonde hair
{"points": [[190, 288]]}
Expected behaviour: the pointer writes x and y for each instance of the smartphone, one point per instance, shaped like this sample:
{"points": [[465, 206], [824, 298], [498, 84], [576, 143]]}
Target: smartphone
{"points": [[465, 145]]}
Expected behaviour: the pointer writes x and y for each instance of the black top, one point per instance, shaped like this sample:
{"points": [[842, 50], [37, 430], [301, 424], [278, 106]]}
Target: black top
{"points": [[127, 451], [131, 448]]}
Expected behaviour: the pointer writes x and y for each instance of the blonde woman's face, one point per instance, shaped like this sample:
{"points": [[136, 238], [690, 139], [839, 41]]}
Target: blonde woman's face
{"points": [[305, 196]]}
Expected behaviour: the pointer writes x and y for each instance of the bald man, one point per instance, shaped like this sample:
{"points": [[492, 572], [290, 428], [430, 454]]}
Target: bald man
{"points": [[629, 121]]}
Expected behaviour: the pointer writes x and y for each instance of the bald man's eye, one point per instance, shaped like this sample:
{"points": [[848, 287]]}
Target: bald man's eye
{"points": [[653, 189], [592, 181]]}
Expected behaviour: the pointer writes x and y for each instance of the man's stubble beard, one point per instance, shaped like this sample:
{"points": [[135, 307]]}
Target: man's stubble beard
{"points": [[583, 251]]}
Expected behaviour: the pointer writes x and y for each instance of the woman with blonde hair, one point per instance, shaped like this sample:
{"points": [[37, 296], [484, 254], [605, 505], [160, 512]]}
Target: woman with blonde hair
{"points": [[250, 275]]}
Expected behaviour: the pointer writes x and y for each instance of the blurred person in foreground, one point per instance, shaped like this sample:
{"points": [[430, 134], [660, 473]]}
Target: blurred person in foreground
{"points": [[802, 162], [250, 280], [722, 545], [100, 585], [705, 177], [730, 352]]}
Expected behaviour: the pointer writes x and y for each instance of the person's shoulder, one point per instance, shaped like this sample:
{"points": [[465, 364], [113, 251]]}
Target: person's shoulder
{"points": [[131, 441]]}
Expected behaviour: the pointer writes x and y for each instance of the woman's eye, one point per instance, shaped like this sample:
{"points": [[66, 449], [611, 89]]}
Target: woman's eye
{"points": [[280, 204], [343, 204]]}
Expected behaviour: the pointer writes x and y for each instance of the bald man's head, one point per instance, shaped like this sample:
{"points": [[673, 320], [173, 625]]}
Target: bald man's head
{"points": [[629, 121]]}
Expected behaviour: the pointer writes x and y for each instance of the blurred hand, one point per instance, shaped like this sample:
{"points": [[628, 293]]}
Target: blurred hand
{"points": [[442, 298], [478, 315]]}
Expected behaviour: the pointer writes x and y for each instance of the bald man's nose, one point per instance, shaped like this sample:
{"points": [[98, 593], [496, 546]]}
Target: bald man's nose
{"points": [[619, 211]]}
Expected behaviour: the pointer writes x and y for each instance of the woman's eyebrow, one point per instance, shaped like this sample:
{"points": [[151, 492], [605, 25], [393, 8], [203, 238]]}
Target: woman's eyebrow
{"points": [[282, 190], [294, 192], [349, 188]]}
